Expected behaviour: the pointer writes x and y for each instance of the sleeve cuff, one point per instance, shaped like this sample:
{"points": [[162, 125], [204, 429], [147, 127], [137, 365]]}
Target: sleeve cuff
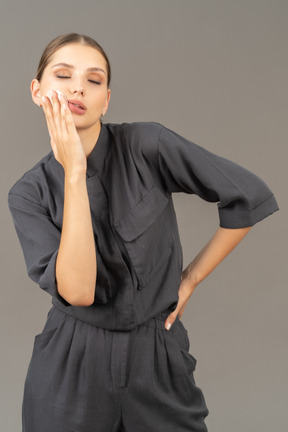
{"points": [[231, 218]]}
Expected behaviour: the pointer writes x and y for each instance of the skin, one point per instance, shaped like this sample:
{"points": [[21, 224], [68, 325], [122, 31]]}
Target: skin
{"points": [[73, 137], [213, 253], [76, 85]]}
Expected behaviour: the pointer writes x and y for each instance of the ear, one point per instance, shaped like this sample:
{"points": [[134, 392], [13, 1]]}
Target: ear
{"points": [[107, 101], [35, 92]]}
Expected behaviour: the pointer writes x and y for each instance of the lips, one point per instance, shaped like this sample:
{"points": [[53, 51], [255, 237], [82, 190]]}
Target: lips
{"points": [[77, 103]]}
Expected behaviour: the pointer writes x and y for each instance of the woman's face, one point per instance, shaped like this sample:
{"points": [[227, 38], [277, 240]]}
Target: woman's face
{"points": [[78, 71]]}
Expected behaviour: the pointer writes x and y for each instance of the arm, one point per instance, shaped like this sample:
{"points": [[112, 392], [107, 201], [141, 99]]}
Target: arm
{"points": [[243, 199], [40, 239], [76, 261], [219, 246]]}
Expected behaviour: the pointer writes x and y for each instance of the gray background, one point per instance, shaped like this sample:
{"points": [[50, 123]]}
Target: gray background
{"points": [[215, 72]]}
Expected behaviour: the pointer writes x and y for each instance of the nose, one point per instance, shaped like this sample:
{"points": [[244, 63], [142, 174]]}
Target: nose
{"points": [[78, 90], [77, 87]]}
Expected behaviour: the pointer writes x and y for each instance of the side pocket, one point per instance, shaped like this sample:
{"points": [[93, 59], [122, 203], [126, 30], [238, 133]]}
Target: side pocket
{"points": [[54, 319], [189, 360], [180, 335], [185, 334], [41, 340]]}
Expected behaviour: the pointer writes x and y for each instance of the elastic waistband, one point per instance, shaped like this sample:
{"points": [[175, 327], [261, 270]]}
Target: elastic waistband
{"points": [[158, 321]]}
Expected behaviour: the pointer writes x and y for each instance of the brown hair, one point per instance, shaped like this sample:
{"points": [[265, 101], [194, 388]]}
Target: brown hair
{"points": [[66, 39]]}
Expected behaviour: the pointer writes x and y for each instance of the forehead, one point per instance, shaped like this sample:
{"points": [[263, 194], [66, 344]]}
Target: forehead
{"points": [[78, 55]]}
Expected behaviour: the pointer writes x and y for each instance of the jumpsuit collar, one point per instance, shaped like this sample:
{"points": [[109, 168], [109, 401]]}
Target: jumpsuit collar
{"points": [[96, 158]]}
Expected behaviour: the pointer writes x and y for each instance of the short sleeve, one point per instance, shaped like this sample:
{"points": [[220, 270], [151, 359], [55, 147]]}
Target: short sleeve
{"points": [[243, 198], [39, 238]]}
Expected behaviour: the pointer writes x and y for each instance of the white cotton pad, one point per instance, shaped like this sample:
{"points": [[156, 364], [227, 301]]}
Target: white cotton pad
{"points": [[58, 92]]}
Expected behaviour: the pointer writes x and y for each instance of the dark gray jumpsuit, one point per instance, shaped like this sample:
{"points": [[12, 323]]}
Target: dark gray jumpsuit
{"points": [[112, 366]]}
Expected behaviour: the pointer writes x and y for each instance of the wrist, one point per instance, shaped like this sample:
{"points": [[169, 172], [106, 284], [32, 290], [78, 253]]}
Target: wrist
{"points": [[75, 176]]}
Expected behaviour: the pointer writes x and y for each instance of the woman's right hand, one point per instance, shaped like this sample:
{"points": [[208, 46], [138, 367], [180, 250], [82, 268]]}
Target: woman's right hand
{"points": [[65, 141]]}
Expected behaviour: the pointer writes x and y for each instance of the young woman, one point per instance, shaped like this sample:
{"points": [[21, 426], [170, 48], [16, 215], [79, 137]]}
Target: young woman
{"points": [[98, 230]]}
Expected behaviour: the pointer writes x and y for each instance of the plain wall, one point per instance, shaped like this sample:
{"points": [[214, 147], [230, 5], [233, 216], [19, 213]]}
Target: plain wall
{"points": [[215, 71]]}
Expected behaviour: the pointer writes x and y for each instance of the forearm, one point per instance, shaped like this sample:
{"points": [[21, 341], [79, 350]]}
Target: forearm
{"points": [[220, 245], [76, 267]]}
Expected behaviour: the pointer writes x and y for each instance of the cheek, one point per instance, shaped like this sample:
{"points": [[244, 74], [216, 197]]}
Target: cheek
{"points": [[100, 101], [49, 84]]}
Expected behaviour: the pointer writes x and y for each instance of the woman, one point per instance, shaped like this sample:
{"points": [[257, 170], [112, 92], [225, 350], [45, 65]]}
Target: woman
{"points": [[98, 230]]}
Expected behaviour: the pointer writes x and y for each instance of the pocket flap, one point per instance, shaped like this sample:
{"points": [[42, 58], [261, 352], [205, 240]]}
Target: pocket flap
{"points": [[142, 216]]}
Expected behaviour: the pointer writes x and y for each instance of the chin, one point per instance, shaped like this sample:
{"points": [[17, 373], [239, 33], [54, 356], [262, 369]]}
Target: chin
{"points": [[85, 125]]}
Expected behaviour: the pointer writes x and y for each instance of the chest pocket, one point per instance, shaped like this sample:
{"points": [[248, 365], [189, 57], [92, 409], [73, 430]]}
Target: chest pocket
{"points": [[147, 235]]}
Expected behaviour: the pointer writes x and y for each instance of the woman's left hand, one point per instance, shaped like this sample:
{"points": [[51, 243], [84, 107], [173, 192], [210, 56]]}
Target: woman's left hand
{"points": [[185, 291]]}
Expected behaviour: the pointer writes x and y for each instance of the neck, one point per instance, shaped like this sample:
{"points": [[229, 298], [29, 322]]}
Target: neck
{"points": [[89, 138]]}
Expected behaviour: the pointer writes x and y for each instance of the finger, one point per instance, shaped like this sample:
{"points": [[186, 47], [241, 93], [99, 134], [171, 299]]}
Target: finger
{"points": [[54, 148], [51, 108], [71, 128], [47, 108], [46, 105], [64, 111], [66, 118], [184, 293], [55, 112], [171, 318], [177, 312]]}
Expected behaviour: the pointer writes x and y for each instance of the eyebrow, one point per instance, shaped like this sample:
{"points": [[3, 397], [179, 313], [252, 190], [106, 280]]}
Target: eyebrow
{"points": [[91, 69]]}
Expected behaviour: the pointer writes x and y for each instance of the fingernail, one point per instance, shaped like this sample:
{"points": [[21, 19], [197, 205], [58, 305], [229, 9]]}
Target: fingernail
{"points": [[43, 99], [168, 326], [50, 94]]}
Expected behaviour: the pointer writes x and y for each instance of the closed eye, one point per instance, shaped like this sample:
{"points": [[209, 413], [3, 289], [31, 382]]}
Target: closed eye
{"points": [[92, 81]]}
